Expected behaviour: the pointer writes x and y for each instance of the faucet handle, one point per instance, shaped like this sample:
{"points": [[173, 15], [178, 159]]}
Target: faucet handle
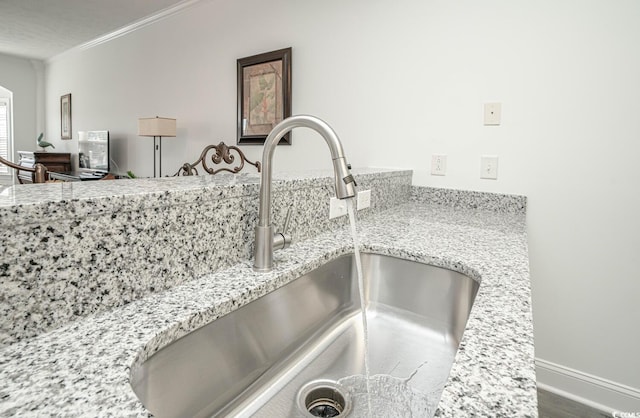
{"points": [[282, 240], [287, 219]]}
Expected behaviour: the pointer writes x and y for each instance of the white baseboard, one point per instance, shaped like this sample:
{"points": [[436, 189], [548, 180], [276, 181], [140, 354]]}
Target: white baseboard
{"points": [[594, 391]]}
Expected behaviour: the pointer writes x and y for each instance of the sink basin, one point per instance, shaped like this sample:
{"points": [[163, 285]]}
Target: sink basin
{"points": [[271, 357]]}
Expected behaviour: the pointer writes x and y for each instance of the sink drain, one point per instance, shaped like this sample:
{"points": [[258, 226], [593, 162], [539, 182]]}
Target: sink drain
{"points": [[324, 398]]}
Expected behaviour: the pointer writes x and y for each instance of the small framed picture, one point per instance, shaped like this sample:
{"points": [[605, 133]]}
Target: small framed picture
{"points": [[65, 116], [264, 95]]}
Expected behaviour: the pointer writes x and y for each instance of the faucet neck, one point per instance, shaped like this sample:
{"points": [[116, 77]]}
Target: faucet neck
{"points": [[344, 183], [341, 171]]}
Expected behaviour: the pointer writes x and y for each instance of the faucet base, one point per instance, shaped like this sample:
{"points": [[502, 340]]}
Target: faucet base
{"points": [[263, 260]]}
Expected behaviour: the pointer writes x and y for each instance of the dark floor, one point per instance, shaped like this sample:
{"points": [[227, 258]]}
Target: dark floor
{"points": [[551, 405]]}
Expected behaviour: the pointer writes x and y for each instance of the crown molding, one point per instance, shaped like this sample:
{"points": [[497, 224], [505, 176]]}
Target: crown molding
{"points": [[162, 14]]}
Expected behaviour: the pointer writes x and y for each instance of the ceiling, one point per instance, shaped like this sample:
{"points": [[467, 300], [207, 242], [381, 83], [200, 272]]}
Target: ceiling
{"points": [[41, 29]]}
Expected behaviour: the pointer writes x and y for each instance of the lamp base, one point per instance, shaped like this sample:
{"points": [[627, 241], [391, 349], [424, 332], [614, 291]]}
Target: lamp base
{"points": [[157, 156]]}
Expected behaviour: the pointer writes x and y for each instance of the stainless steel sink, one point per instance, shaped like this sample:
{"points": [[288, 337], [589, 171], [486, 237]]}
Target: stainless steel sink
{"points": [[264, 359]]}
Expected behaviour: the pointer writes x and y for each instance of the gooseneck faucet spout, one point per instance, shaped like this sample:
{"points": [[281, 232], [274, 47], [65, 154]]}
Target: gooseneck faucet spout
{"points": [[266, 239]]}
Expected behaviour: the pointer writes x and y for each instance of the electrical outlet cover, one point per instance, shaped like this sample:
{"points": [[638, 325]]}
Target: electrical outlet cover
{"points": [[364, 199], [438, 165], [337, 207]]}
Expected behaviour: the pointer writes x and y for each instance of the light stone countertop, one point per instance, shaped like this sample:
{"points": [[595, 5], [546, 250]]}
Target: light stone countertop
{"points": [[68, 250], [82, 368], [23, 203]]}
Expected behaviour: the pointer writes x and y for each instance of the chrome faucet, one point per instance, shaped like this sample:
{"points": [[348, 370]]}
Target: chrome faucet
{"points": [[267, 241]]}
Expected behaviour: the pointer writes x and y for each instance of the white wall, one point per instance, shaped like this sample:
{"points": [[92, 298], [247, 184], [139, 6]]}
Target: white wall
{"points": [[20, 76], [401, 81]]}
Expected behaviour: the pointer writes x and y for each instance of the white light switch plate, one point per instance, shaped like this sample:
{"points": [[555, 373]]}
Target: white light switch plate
{"points": [[489, 167]]}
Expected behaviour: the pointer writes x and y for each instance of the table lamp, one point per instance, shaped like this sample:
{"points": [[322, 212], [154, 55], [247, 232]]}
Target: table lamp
{"points": [[157, 128]]}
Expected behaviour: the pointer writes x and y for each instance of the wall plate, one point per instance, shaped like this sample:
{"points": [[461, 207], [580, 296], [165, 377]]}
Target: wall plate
{"points": [[337, 207], [489, 167], [364, 199], [438, 165]]}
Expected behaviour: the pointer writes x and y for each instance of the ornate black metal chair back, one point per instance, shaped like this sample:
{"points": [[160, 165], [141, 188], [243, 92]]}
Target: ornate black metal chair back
{"points": [[216, 155]]}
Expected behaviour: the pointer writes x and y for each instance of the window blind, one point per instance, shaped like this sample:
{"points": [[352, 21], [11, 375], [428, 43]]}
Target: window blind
{"points": [[4, 134]]}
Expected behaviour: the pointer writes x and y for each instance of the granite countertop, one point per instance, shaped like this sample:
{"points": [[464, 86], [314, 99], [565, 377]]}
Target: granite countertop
{"points": [[82, 368]]}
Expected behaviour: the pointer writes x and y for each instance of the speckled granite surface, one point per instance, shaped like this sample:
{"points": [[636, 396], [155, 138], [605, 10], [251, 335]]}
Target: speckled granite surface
{"points": [[71, 249], [502, 203], [82, 368]]}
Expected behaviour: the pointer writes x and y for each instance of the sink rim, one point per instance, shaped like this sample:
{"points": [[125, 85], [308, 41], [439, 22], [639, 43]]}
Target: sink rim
{"points": [[193, 321]]}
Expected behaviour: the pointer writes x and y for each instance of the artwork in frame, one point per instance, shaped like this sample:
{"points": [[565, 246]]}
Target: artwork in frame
{"points": [[65, 116], [264, 95]]}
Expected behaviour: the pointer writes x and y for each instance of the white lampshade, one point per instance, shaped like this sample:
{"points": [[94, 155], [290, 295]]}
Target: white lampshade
{"points": [[156, 126]]}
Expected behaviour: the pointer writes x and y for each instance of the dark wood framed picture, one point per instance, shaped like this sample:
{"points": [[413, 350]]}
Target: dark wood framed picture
{"points": [[264, 95], [65, 116]]}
